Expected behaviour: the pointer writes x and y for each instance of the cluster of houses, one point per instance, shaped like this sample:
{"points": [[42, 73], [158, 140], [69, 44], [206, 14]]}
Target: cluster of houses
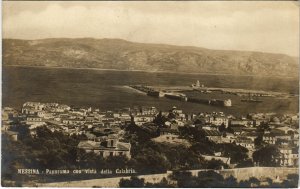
{"points": [[103, 129], [98, 127], [220, 128]]}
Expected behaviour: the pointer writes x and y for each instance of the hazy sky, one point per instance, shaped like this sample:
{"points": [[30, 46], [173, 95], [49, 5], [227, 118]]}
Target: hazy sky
{"points": [[269, 26]]}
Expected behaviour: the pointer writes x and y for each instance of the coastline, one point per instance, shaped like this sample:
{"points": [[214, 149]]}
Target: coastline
{"points": [[145, 71]]}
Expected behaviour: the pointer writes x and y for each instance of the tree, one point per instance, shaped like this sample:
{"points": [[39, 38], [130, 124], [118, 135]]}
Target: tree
{"points": [[114, 162], [151, 161], [291, 181], [199, 122], [216, 164], [205, 179], [267, 156], [203, 148], [192, 133], [43, 132], [236, 153], [230, 182], [133, 182], [160, 119], [258, 141], [222, 128], [264, 126], [254, 181], [245, 163], [251, 182], [190, 160], [210, 179], [23, 131], [171, 115], [184, 179], [270, 181], [229, 130], [162, 184]]}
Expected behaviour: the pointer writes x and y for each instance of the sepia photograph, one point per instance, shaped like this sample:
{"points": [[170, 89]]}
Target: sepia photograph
{"points": [[150, 94]]}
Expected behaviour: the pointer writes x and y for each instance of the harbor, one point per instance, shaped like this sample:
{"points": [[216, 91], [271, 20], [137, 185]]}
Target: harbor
{"points": [[180, 93], [177, 94]]}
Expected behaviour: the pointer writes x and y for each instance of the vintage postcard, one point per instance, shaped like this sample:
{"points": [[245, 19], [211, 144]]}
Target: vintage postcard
{"points": [[150, 94]]}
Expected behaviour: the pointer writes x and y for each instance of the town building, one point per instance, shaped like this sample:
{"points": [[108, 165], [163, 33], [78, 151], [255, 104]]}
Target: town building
{"points": [[34, 105], [213, 135], [142, 119], [110, 147], [34, 121], [12, 135], [218, 120], [171, 138], [228, 138], [288, 157], [168, 131], [245, 142], [237, 130], [269, 138], [242, 122], [217, 156]]}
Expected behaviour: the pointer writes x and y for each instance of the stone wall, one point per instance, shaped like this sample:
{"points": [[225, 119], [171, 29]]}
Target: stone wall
{"points": [[259, 172], [239, 173]]}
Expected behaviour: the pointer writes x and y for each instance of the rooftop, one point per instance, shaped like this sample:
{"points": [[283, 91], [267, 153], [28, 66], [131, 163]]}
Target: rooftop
{"points": [[92, 145], [212, 133]]}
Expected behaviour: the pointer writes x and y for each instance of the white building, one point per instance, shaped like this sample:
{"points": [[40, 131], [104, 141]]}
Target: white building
{"points": [[110, 147]]}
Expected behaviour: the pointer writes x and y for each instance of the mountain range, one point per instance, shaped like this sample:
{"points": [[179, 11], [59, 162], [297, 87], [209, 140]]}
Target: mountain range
{"points": [[125, 55]]}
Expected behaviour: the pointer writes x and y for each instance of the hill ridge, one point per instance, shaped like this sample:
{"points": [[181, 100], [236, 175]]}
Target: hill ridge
{"points": [[121, 54]]}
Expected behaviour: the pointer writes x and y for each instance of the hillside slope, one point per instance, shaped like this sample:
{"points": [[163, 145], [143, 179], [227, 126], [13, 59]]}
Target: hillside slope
{"points": [[125, 55]]}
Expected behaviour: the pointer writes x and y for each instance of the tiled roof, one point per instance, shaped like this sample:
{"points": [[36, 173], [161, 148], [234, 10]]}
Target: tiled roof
{"points": [[212, 133], [244, 140], [90, 135], [269, 135], [88, 144], [250, 134], [284, 147], [278, 133], [123, 146], [284, 128], [237, 129], [53, 122]]}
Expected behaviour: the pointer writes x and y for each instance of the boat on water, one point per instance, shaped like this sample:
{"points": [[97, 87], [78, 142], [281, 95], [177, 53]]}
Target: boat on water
{"points": [[198, 85], [251, 99]]}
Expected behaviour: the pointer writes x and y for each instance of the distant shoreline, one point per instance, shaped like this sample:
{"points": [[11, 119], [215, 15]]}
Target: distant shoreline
{"points": [[172, 72]]}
